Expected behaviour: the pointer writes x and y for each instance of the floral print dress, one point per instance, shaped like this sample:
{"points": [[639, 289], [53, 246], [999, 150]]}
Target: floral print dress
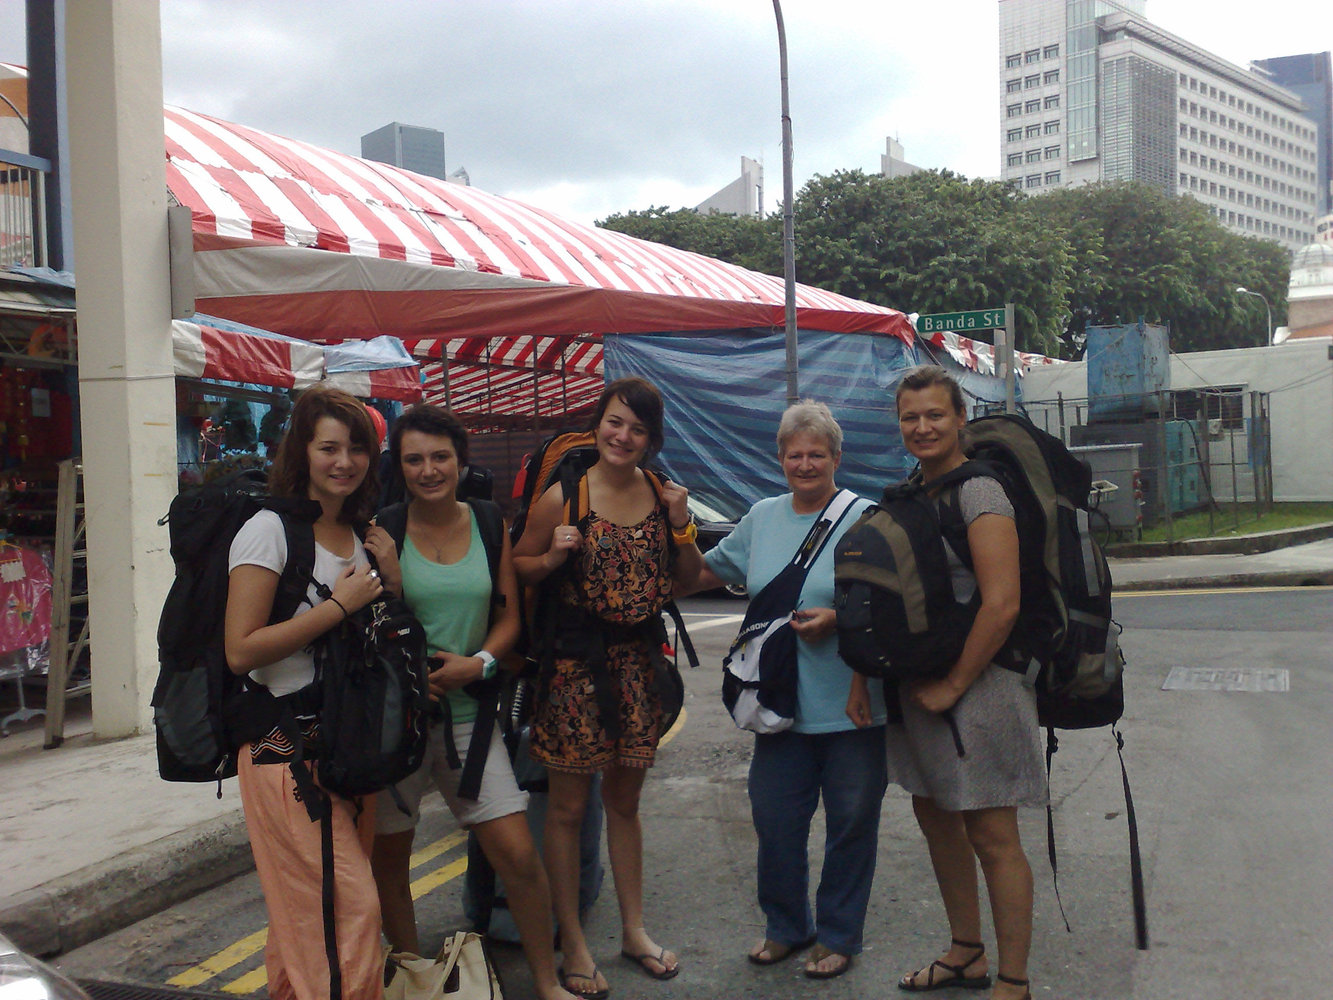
{"points": [[621, 576]]}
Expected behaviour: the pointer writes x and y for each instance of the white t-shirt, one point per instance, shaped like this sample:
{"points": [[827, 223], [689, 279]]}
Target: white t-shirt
{"points": [[263, 542]]}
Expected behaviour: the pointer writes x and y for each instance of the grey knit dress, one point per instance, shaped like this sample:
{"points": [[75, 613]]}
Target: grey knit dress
{"points": [[1003, 763]]}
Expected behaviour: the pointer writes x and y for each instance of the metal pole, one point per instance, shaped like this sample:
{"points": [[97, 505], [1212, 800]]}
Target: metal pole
{"points": [[1010, 335], [788, 219]]}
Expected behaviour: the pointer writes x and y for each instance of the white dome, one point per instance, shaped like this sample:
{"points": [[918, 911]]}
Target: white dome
{"points": [[1312, 266]]}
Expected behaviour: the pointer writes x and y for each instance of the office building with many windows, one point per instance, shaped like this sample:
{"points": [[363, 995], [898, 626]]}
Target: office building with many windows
{"points": [[1090, 90], [411, 147], [1310, 77]]}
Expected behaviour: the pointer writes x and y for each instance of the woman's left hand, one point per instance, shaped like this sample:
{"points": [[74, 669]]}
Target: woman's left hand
{"points": [[813, 624], [676, 498], [449, 672], [935, 696]]}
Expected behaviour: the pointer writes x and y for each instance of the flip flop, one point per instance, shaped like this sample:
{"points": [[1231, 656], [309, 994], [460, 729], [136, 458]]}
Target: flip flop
{"points": [[818, 955], [778, 952], [589, 994], [668, 972]]}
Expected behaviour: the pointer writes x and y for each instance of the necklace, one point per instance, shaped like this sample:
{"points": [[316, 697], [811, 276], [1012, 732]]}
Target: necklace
{"points": [[434, 535]]}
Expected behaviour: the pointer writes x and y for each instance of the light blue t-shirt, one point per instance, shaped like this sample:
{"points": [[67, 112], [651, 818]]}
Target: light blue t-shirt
{"points": [[762, 543]]}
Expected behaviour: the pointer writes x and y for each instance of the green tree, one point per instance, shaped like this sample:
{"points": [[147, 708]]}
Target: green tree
{"points": [[1143, 253], [743, 240], [935, 242]]}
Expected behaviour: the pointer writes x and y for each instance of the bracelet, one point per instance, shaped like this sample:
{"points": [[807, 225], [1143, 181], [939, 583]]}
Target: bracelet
{"points": [[340, 604], [488, 667], [686, 535]]}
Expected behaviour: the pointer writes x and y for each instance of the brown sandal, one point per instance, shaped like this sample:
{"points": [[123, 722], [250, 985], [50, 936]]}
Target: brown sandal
{"points": [[1027, 994], [777, 951], [956, 978], [812, 970]]}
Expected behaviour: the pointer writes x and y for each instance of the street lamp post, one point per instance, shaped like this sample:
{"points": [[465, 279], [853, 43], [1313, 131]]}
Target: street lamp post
{"points": [[1268, 312], [788, 222]]}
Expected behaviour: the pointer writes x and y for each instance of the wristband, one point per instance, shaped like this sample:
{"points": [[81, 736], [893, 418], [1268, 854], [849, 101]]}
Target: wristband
{"points": [[340, 604], [686, 535], [488, 667]]}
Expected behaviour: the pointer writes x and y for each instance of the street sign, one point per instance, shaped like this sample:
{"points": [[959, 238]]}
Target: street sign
{"points": [[976, 319]]}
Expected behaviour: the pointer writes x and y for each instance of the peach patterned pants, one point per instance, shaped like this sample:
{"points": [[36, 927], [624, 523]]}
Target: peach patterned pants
{"points": [[286, 846]]}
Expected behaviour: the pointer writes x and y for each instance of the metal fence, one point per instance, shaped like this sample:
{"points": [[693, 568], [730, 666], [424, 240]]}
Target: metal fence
{"points": [[1198, 453], [22, 210]]}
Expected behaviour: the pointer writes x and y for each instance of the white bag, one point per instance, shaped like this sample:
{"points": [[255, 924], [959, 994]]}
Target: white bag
{"points": [[462, 971]]}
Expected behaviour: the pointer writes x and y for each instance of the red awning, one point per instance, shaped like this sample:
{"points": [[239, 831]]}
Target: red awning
{"points": [[204, 351], [319, 244]]}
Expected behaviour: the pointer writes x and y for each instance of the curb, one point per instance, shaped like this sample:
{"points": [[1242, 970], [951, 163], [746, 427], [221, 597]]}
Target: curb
{"points": [[1262, 541], [1275, 578], [81, 907]]}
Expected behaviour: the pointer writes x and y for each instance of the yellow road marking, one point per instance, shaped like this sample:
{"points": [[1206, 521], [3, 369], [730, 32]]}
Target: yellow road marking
{"points": [[249, 983], [436, 849], [437, 878], [217, 964], [1195, 592]]}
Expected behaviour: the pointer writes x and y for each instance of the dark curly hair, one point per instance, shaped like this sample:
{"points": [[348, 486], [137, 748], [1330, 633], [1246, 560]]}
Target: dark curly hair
{"points": [[428, 419], [290, 475]]}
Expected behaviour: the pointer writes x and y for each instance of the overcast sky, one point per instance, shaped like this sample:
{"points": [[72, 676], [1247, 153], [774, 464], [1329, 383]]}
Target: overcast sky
{"points": [[589, 107]]}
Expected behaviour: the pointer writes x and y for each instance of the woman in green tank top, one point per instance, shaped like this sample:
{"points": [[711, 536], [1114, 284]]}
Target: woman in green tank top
{"points": [[467, 601]]}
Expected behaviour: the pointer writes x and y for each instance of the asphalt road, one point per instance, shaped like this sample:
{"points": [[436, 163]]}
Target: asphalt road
{"points": [[1232, 790]]}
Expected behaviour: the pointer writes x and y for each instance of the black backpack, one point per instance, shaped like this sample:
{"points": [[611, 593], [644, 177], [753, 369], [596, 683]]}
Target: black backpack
{"points": [[490, 526], [371, 692], [897, 616], [199, 704], [370, 689]]}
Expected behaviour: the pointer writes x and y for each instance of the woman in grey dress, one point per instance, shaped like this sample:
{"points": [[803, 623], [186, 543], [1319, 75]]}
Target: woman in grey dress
{"points": [[967, 806]]}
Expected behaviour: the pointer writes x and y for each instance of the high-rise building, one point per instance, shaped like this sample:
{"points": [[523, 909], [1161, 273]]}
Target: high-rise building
{"points": [[411, 147], [1092, 91], [1310, 77], [743, 196], [893, 161]]}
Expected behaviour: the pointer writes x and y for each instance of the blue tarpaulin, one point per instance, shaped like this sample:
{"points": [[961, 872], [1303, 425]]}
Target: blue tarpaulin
{"points": [[725, 392]]}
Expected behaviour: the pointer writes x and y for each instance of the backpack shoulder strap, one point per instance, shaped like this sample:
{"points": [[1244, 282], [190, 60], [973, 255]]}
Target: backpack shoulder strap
{"points": [[299, 571], [393, 519], [490, 525], [656, 481], [574, 491]]}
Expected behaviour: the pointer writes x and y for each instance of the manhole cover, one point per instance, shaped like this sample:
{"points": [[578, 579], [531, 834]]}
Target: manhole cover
{"points": [[1227, 679]]}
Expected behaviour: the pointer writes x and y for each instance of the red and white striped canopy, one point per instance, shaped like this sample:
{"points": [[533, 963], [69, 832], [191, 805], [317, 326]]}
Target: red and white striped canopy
{"points": [[509, 380], [319, 244], [201, 350]]}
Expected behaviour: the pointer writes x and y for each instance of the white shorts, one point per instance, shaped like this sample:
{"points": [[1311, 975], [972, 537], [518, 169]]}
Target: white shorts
{"points": [[499, 796]]}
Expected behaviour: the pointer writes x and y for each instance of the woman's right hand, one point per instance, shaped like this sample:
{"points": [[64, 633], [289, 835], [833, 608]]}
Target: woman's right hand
{"points": [[357, 586], [565, 539], [858, 702]]}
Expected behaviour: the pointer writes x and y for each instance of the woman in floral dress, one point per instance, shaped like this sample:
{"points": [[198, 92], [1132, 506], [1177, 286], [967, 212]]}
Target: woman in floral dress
{"points": [[598, 708]]}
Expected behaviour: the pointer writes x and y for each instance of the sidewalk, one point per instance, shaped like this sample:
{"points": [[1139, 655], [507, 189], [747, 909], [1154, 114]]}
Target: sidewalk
{"points": [[91, 840]]}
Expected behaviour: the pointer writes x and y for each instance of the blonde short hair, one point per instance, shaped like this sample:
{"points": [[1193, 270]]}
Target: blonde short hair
{"points": [[809, 417]]}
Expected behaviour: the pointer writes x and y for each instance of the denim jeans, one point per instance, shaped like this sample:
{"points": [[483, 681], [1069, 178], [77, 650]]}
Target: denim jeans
{"points": [[788, 774]]}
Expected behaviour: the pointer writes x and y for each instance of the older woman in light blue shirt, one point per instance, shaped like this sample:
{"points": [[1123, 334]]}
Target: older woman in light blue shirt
{"points": [[824, 754]]}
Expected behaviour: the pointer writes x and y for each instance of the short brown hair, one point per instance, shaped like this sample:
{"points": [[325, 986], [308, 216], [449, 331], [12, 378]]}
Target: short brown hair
{"points": [[427, 418], [290, 475], [924, 376], [643, 399]]}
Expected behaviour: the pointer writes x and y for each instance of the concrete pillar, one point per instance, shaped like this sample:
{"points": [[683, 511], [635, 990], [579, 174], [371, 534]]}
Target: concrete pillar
{"points": [[126, 386]]}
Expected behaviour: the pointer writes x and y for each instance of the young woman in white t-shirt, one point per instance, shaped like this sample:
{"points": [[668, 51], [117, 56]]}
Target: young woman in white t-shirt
{"points": [[323, 458]]}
